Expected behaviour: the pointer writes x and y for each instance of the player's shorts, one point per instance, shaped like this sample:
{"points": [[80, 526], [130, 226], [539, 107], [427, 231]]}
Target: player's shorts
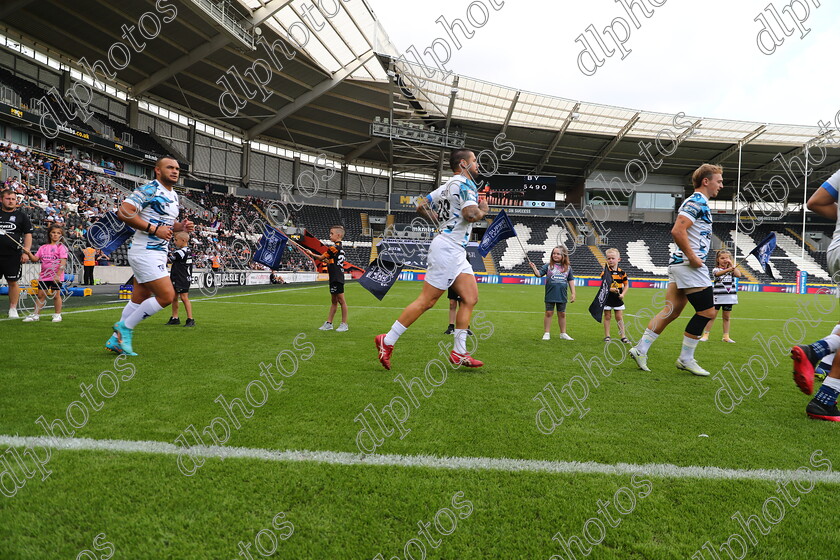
{"points": [[148, 266], [445, 262], [833, 261], [10, 267], [613, 302], [551, 305], [452, 294], [181, 288], [336, 288], [725, 307], [685, 276], [48, 285]]}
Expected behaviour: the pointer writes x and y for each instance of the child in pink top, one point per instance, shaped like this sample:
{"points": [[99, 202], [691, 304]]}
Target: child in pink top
{"points": [[53, 257]]}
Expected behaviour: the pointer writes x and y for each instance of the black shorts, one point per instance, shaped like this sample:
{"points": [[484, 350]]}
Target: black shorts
{"points": [[452, 294], [724, 307], [47, 285], [181, 288], [336, 288], [550, 305], [10, 267]]}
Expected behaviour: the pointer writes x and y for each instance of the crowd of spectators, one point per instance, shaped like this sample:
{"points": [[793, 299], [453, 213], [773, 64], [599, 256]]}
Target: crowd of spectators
{"points": [[70, 195]]}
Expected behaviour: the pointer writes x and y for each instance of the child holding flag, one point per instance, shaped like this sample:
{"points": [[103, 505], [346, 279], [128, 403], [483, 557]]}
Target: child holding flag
{"points": [[558, 279], [334, 259], [619, 284], [725, 275], [53, 257]]}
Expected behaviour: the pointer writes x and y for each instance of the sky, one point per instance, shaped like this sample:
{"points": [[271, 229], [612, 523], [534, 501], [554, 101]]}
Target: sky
{"points": [[700, 57]]}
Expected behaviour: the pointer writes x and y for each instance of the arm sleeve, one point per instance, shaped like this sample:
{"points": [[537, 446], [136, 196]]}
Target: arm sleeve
{"points": [[469, 196], [832, 184], [691, 209], [571, 275], [27, 226], [543, 269], [141, 197]]}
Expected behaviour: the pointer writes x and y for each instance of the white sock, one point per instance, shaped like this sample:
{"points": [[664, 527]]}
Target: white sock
{"points": [[833, 342], [688, 347], [395, 333], [461, 341], [143, 311], [647, 339], [832, 382], [129, 308]]}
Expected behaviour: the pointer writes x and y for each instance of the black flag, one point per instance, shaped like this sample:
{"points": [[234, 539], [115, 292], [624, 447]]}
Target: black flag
{"points": [[380, 276], [596, 308]]}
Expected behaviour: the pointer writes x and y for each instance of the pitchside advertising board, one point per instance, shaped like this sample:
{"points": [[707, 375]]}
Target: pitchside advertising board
{"points": [[204, 280]]}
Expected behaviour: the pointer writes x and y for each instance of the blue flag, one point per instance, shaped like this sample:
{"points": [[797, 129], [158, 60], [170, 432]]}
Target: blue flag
{"points": [[380, 276], [109, 233], [763, 251], [271, 247], [501, 228]]}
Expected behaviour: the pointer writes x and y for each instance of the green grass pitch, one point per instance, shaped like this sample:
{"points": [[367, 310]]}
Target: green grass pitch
{"points": [[141, 505]]}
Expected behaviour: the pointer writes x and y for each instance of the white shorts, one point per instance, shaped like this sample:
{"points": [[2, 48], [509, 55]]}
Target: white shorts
{"points": [[148, 265], [686, 276], [619, 308], [833, 260], [445, 262]]}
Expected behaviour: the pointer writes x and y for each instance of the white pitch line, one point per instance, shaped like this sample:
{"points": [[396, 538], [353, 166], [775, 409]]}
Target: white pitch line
{"points": [[207, 298], [516, 311], [658, 470]]}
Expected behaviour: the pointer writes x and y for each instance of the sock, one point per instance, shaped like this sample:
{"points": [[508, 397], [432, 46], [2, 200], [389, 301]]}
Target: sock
{"points": [[827, 395], [833, 383], [129, 308], [461, 341], [688, 346], [826, 346], [395, 333], [647, 339], [143, 311]]}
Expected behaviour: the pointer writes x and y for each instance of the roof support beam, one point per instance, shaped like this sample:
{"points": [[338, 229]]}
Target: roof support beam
{"points": [[261, 14], [308, 97], [723, 156], [596, 161], [510, 111], [557, 138], [196, 55], [361, 150], [12, 7]]}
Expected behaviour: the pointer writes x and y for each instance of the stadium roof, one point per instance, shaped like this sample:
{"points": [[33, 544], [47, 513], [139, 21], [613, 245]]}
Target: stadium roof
{"points": [[325, 98]]}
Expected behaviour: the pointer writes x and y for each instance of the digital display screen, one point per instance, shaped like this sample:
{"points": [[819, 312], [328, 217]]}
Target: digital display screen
{"points": [[529, 191]]}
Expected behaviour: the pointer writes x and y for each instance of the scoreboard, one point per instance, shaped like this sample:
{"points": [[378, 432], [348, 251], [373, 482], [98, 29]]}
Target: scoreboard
{"points": [[529, 191]]}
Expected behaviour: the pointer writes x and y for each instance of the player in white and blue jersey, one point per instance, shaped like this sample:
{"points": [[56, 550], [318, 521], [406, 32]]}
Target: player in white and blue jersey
{"points": [[824, 404], [458, 207], [689, 280], [152, 210]]}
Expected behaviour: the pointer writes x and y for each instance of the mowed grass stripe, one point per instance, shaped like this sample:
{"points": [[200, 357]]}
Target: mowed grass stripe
{"points": [[422, 461]]}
